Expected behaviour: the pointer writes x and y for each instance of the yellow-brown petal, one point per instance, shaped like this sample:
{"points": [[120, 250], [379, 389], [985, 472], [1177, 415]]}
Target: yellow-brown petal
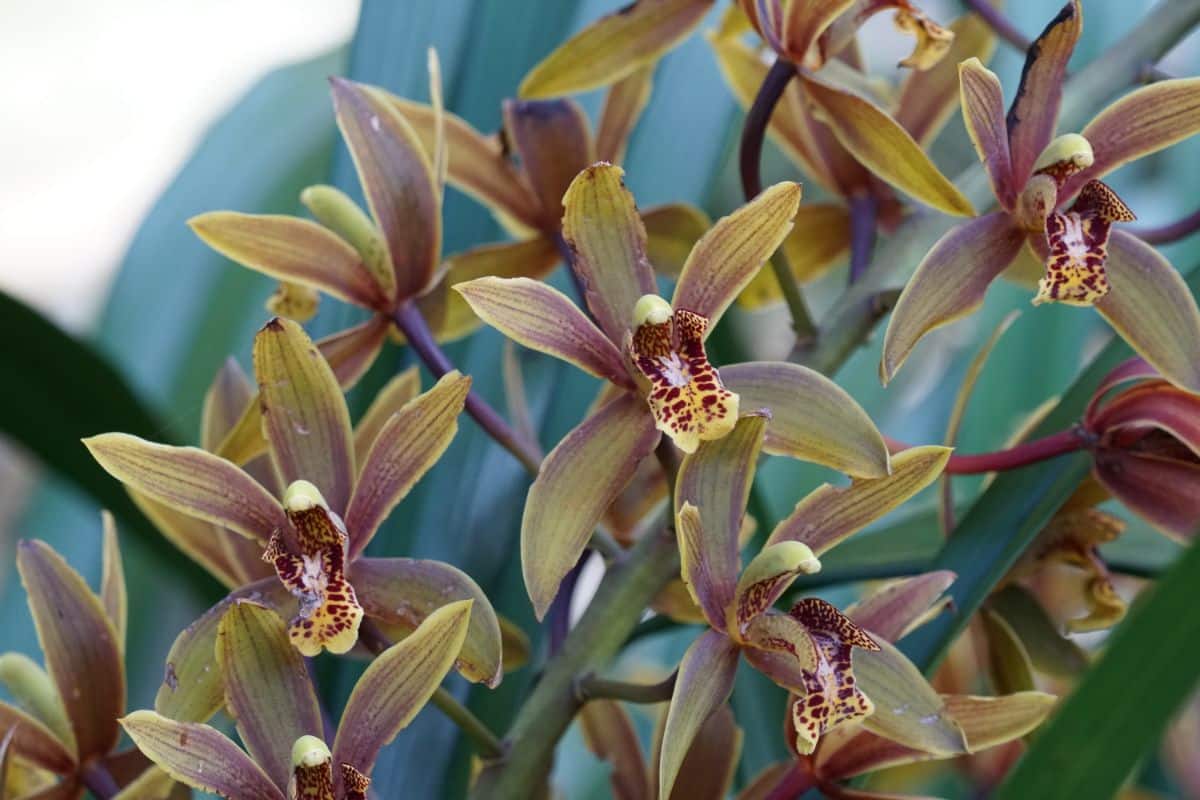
{"points": [[983, 112], [623, 105], [928, 97], [609, 733], [400, 389], [672, 230], [819, 239], [554, 142]]}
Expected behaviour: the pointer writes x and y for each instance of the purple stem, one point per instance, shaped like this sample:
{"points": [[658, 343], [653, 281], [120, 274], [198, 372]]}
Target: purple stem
{"points": [[863, 212], [1171, 232]]}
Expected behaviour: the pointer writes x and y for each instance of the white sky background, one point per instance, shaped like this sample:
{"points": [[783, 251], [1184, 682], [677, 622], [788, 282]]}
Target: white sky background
{"points": [[100, 104]]}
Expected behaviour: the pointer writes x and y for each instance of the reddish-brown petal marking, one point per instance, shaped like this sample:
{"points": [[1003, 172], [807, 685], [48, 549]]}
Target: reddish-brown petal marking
{"points": [[689, 402], [832, 698], [329, 612], [354, 783], [312, 770], [1078, 242]]}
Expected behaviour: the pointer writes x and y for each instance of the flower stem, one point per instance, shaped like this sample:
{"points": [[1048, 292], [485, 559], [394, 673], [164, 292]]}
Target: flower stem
{"points": [[1022, 455], [486, 742], [412, 324], [749, 160], [1172, 232], [99, 780], [863, 211], [592, 687]]}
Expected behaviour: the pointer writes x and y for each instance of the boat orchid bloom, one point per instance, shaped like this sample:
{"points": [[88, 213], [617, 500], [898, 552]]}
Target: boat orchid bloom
{"points": [[1056, 212], [269, 692], [651, 354], [813, 650], [969, 723], [338, 487]]}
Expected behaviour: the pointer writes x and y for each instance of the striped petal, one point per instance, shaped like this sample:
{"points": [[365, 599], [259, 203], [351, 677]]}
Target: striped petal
{"points": [[407, 446], [623, 105], [304, 414], [554, 142], [34, 691], [191, 481], [476, 164], [1156, 405], [267, 688], [1033, 115], [710, 765], [830, 514], [614, 46], [705, 680], [895, 609], [199, 756], [983, 112], [803, 23], [542, 318], [820, 238], [397, 180], [34, 742], [402, 592], [672, 230], [1152, 309], [394, 395], [1163, 491], [113, 594], [885, 148], [608, 244], [949, 283], [610, 735], [811, 417], [577, 481], [79, 644], [727, 257], [293, 250], [397, 684]]}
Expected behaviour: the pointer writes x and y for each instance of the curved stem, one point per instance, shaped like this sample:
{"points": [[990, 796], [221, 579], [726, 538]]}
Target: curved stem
{"points": [[749, 161], [863, 211], [1022, 455], [593, 687], [412, 324], [1171, 232], [99, 780]]}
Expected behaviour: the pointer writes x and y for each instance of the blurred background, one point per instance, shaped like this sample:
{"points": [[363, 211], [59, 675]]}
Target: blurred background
{"points": [[122, 119]]}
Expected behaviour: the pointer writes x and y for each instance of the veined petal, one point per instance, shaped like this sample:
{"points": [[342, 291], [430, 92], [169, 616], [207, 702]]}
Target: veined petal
{"points": [[476, 164], [291, 249], [1132, 369], [820, 238], [35, 742], [991, 721], [1033, 114], [402, 592], [407, 446], [267, 688], [1142, 122], [811, 417], [672, 230], [709, 767], [112, 581], [397, 684], [892, 611], [884, 147], [304, 414], [554, 142], [191, 481], [907, 709], [733, 250], [35, 692], [983, 112], [1152, 309], [1163, 491], [608, 242], [949, 283], [577, 481], [623, 105], [928, 97], [830, 513], [544, 319], [1158, 406], [804, 22], [766, 578], [715, 481], [531, 258], [609, 733], [397, 179], [193, 689], [80, 646], [686, 396], [395, 394], [705, 680], [614, 46], [199, 756], [224, 403]]}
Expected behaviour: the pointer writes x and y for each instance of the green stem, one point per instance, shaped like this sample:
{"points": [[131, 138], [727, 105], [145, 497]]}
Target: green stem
{"points": [[593, 687], [487, 743]]}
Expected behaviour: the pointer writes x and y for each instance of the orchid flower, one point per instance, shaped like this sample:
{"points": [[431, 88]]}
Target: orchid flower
{"points": [[1055, 210], [824, 149], [269, 692], [813, 650], [337, 489], [651, 354], [855, 749], [63, 720]]}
